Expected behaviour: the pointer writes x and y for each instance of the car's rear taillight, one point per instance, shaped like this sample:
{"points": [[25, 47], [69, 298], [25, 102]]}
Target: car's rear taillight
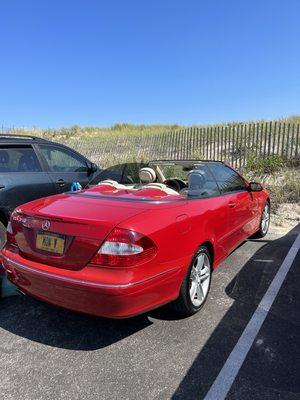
{"points": [[125, 248], [10, 235]]}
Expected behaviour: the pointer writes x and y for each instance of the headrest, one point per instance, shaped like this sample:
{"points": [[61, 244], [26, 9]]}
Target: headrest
{"points": [[109, 182], [28, 163], [147, 175], [4, 157], [196, 179]]}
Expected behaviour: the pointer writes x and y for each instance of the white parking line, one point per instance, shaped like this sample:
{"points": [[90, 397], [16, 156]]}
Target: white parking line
{"points": [[228, 373]]}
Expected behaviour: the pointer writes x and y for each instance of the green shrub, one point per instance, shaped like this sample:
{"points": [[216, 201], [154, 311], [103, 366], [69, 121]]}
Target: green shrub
{"points": [[267, 165], [289, 192]]}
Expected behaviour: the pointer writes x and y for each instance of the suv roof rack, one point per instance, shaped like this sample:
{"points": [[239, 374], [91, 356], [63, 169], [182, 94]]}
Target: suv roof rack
{"points": [[186, 161], [10, 136]]}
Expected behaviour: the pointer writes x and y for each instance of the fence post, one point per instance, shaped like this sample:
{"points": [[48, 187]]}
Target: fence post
{"points": [[190, 142], [287, 141], [233, 145], [283, 141], [274, 137], [206, 142], [278, 138], [269, 139], [223, 155], [297, 142], [265, 135], [256, 139], [218, 144], [210, 142], [292, 141]]}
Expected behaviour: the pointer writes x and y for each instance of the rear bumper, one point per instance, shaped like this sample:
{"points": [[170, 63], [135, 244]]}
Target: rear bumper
{"points": [[114, 300]]}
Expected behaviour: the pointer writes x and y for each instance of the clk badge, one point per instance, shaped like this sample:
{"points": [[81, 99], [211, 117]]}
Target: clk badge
{"points": [[46, 225]]}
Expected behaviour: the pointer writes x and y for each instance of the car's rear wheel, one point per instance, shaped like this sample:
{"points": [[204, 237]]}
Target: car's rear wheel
{"points": [[2, 235], [195, 287], [264, 222]]}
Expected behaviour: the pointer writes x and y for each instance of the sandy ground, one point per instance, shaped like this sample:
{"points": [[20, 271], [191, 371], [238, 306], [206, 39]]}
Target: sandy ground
{"points": [[285, 218]]}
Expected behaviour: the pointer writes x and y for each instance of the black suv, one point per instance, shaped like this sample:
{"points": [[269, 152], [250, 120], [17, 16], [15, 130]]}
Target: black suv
{"points": [[32, 167]]}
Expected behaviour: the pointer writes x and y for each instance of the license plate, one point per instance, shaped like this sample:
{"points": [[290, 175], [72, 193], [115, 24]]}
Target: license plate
{"points": [[52, 242]]}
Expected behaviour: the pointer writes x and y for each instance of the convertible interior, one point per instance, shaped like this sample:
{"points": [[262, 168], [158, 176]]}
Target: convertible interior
{"points": [[177, 178]]}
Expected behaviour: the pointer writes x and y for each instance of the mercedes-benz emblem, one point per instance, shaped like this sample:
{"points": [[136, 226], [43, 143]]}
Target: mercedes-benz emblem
{"points": [[46, 225]]}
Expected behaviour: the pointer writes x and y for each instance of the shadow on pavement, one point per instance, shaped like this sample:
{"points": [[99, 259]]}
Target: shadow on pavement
{"points": [[50, 325], [53, 326], [247, 289]]}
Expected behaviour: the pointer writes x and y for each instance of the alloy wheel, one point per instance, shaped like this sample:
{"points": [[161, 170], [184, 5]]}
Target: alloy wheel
{"points": [[265, 220], [200, 279]]}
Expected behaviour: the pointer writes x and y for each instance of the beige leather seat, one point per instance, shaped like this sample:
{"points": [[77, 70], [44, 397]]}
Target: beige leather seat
{"points": [[148, 177], [113, 183], [162, 187]]}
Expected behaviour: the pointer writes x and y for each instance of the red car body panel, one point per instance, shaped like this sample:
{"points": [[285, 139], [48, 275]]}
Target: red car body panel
{"points": [[176, 226]]}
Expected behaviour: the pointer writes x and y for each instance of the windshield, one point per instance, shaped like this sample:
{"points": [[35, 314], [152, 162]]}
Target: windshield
{"points": [[127, 173], [173, 170]]}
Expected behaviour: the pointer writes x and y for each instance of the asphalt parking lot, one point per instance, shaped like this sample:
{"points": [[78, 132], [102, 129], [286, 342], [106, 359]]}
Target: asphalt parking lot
{"points": [[50, 353]]}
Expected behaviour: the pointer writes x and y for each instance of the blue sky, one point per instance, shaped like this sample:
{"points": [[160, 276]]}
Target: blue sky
{"points": [[155, 61]]}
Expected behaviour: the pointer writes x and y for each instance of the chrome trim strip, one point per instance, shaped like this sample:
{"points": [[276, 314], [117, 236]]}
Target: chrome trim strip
{"points": [[79, 281]]}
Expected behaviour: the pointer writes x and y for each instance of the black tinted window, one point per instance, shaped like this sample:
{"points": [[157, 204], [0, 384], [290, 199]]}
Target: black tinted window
{"points": [[201, 183], [61, 160], [18, 159], [227, 179]]}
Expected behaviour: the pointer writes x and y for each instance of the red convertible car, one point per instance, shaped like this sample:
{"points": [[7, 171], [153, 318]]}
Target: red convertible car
{"points": [[120, 249]]}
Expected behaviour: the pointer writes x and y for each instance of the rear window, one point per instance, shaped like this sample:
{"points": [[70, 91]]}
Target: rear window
{"points": [[18, 159]]}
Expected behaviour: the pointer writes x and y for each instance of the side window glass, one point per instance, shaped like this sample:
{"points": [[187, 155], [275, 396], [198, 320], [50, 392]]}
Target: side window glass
{"points": [[121, 173], [60, 160], [227, 179], [114, 173], [201, 183], [19, 159], [131, 173]]}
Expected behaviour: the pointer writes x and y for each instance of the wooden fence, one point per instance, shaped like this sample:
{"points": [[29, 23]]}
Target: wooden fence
{"points": [[232, 143], [235, 144]]}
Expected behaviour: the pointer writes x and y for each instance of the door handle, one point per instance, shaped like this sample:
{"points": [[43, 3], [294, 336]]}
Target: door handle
{"points": [[231, 204], [2, 186], [60, 182]]}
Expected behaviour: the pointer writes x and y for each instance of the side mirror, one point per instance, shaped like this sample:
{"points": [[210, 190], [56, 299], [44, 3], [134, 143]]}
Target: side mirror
{"points": [[92, 168], [255, 187]]}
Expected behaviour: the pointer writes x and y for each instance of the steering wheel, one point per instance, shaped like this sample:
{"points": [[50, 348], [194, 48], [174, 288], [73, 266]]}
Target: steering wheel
{"points": [[175, 184]]}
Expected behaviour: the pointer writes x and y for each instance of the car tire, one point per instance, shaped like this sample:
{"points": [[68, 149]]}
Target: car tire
{"points": [[264, 222], [2, 235], [195, 286]]}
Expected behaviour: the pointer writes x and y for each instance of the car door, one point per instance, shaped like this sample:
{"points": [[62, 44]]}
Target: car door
{"points": [[22, 177], [65, 167], [208, 209], [239, 202]]}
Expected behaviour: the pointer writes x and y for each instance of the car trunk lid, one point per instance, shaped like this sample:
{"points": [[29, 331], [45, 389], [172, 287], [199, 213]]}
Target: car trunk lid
{"points": [[65, 231]]}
